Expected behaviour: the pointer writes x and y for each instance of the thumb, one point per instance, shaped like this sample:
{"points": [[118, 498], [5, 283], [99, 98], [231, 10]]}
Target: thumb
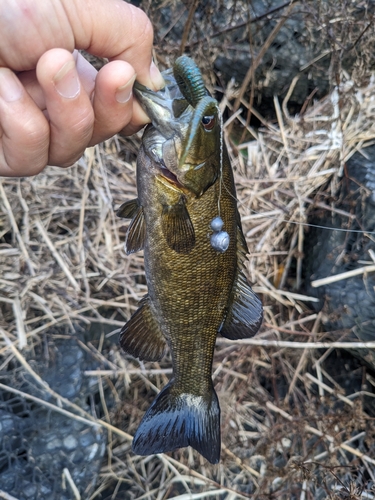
{"points": [[116, 30]]}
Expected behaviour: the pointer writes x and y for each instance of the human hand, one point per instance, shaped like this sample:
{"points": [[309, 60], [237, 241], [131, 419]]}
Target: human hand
{"points": [[53, 103]]}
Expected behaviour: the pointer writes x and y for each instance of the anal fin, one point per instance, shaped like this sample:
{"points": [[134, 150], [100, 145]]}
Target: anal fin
{"points": [[177, 227], [245, 314], [141, 336]]}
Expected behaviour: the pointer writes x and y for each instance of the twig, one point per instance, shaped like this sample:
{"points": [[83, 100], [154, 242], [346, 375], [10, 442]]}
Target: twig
{"points": [[16, 230], [308, 428], [194, 473], [301, 345], [329, 389], [193, 6], [60, 398], [74, 488], [263, 50], [239, 462], [56, 255], [343, 276], [243, 23], [17, 310], [88, 421], [116, 373], [53, 407], [6, 496], [91, 153]]}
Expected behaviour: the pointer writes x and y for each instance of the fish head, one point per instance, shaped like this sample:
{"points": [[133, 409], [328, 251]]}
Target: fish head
{"points": [[199, 157], [184, 138]]}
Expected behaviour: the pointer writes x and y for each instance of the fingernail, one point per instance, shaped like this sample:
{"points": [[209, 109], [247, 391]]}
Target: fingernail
{"points": [[66, 81], [124, 93], [10, 87], [156, 78]]}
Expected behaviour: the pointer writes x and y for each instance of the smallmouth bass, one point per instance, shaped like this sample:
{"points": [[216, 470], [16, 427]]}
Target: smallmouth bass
{"points": [[186, 220]]}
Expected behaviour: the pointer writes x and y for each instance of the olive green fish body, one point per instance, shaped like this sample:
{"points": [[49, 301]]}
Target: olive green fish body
{"points": [[189, 292], [195, 289]]}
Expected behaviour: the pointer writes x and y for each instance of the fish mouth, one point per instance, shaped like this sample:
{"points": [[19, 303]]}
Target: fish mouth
{"points": [[169, 176], [156, 104]]}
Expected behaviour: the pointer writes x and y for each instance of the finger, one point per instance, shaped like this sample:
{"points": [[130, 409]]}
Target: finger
{"points": [[68, 105], [86, 72], [24, 131], [29, 28], [130, 38], [32, 87], [138, 120], [113, 106]]}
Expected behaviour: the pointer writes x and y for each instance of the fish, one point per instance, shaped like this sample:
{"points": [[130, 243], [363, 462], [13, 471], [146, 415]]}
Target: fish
{"points": [[186, 220]]}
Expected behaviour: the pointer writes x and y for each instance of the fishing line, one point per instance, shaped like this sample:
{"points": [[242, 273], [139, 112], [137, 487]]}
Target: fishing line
{"points": [[359, 231], [219, 239], [221, 154], [320, 227]]}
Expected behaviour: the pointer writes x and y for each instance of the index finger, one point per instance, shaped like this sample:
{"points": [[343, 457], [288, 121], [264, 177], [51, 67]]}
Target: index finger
{"points": [[116, 30]]}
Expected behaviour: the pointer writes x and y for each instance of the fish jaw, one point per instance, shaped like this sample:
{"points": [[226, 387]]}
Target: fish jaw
{"points": [[159, 107]]}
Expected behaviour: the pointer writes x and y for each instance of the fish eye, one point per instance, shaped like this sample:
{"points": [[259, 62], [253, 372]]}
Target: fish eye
{"points": [[208, 122]]}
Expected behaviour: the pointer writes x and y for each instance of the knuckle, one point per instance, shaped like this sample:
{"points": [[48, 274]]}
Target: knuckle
{"points": [[71, 160], [83, 125], [144, 32], [25, 153], [69, 142], [83, 121], [34, 134], [76, 129]]}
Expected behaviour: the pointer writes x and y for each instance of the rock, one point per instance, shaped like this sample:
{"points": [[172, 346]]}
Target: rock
{"points": [[348, 304], [308, 44], [36, 444]]}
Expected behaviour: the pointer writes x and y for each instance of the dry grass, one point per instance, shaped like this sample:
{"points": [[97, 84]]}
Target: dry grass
{"points": [[292, 426]]}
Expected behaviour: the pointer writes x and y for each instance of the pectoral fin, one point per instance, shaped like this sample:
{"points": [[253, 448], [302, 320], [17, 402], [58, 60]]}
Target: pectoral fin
{"points": [[136, 233], [177, 227], [128, 209], [141, 335]]}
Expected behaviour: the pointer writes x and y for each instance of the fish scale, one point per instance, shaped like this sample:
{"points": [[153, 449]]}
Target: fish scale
{"points": [[195, 289]]}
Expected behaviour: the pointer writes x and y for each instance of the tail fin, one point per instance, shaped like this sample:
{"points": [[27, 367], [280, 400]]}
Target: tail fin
{"points": [[178, 420]]}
